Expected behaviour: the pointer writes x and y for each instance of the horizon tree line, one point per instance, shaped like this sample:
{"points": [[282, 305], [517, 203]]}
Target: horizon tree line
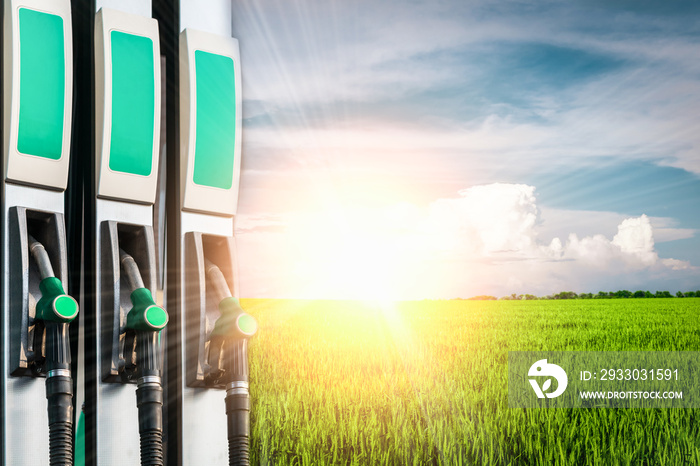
{"points": [[619, 294]]}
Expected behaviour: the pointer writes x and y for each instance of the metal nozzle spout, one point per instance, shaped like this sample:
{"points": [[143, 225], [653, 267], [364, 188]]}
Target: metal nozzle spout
{"points": [[41, 257], [131, 270], [218, 282]]}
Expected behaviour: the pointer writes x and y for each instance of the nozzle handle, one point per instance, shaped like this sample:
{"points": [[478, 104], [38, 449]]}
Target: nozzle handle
{"points": [[145, 315], [55, 305]]}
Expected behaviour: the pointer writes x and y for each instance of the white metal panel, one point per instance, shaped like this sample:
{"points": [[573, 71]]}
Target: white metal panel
{"points": [[215, 18], [20, 167], [194, 196], [113, 184], [134, 7]]}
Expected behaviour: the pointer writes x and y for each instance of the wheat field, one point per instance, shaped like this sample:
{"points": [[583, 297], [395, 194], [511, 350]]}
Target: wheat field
{"points": [[425, 382]]}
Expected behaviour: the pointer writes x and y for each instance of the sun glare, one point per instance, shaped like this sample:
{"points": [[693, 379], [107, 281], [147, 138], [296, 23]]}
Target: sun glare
{"points": [[348, 258]]}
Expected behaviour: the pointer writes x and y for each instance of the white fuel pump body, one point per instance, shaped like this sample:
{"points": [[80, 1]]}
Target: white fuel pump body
{"points": [[210, 99], [37, 86]]}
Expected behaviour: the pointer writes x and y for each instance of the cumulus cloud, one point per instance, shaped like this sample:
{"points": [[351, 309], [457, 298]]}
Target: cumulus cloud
{"points": [[634, 237], [485, 220]]}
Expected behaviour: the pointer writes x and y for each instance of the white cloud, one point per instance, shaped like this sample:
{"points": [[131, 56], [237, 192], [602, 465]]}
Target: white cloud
{"points": [[634, 237], [676, 264], [484, 220], [666, 229], [594, 251]]}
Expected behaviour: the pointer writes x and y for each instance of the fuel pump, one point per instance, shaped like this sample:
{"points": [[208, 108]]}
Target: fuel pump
{"points": [[202, 194], [37, 86], [124, 394], [228, 362]]}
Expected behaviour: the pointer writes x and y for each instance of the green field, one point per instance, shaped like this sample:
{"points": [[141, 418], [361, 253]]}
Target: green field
{"points": [[340, 382]]}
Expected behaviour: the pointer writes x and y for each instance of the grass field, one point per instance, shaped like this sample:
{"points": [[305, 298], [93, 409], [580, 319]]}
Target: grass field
{"points": [[340, 382]]}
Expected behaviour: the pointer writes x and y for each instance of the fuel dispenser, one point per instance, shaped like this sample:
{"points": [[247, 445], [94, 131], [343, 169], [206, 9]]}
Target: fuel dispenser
{"points": [[36, 376], [124, 396], [211, 329]]}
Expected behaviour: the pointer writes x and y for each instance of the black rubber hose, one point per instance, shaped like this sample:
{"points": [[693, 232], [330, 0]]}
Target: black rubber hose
{"points": [[238, 418], [59, 393], [237, 401], [61, 444], [149, 398]]}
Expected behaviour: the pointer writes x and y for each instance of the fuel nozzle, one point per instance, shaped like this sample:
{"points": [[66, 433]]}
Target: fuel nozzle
{"points": [[54, 312], [228, 359], [142, 352]]}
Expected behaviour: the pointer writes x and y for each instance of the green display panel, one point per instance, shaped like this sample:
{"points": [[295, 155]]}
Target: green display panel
{"points": [[42, 84], [133, 104], [215, 134]]}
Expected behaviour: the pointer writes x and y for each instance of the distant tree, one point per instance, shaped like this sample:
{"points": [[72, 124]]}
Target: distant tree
{"points": [[623, 294], [679, 294], [647, 294], [530, 297], [690, 294], [565, 295], [663, 294], [483, 298], [639, 294], [586, 296], [602, 295]]}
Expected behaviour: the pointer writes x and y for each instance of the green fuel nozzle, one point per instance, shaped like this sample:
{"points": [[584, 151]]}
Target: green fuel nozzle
{"points": [[233, 327], [144, 321], [234, 321], [145, 315], [142, 352], [228, 361], [54, 312], [55, 305]]}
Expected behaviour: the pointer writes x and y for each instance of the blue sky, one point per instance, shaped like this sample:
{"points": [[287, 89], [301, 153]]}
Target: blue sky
{"points": [[443, 148]]}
